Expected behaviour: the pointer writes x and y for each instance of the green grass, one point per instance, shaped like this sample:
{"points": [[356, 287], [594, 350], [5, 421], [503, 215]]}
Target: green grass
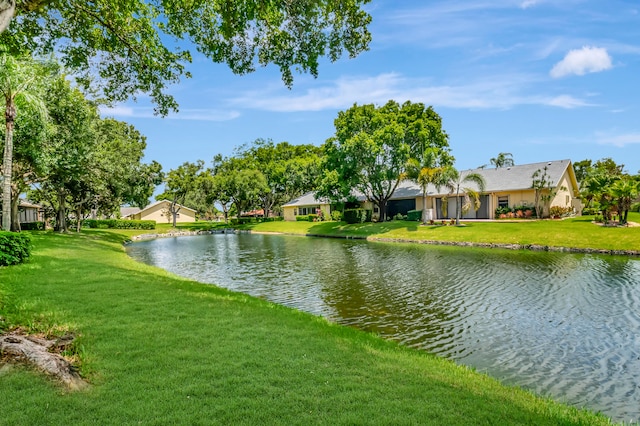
{"points": [[159, 349], [578, 232]]}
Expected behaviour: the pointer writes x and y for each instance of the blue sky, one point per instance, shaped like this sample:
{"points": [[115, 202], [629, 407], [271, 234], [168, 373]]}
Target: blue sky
{"points": [[541, 79]]}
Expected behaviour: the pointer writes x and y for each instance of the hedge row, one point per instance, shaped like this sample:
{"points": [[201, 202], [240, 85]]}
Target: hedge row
{"points": [[414, 215], [14, 248], [245, 220], [32, 226], [119, 224], [357, 215]]}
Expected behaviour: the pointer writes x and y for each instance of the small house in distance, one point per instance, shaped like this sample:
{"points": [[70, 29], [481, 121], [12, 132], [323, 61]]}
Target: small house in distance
{"points": [[505, 187], [304, 205], [158, 211], [29, 212]]}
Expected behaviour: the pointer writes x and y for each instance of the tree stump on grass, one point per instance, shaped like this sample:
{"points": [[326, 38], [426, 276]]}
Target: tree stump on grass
{"points": [[37, 351]]}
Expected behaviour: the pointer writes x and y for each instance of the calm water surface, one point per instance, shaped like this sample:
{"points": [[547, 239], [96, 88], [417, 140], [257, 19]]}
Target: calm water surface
{"points": [[562, 325]]}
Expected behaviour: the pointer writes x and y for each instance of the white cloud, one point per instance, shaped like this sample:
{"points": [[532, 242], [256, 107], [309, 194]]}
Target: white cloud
{"points": [[186, 114], [494, 91], [581, 61], [620, 140], [528, 3], [568, 102]]}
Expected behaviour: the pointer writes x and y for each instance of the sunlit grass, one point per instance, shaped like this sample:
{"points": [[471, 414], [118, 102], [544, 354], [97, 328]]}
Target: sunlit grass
{"points": [[159, 349], [578, 232]]}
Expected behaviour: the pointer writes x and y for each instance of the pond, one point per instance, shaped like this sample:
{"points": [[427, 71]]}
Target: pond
{"points": [[562, 325]]}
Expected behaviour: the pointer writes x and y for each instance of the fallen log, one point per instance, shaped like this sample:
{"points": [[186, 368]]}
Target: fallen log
{"points": [[37, 351]]}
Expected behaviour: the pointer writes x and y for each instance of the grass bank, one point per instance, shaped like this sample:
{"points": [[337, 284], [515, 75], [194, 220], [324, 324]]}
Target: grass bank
{"points": [[159, 349], [578, 232]]}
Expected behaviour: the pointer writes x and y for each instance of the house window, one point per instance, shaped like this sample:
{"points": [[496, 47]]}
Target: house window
{"points": [[376, 209], [503, 201], [567, 200], [303, 211]]}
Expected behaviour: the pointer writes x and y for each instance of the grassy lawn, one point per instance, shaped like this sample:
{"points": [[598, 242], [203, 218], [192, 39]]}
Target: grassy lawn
{"points": [[577, 232], [159, 349]]}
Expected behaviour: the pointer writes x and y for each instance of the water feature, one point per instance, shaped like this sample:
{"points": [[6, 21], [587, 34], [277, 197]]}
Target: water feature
{"points": [[562, 325]]}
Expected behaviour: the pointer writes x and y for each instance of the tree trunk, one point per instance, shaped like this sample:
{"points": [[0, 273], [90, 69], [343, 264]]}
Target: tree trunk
{"points": [[7, 164], [36, 351], [7, 10], [15, 214], [61, 216], [382, 207], [424, 207], [78, 219], [458, 208]]}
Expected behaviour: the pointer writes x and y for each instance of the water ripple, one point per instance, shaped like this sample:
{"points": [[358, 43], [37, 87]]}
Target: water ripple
{"points": [[561, 325]]}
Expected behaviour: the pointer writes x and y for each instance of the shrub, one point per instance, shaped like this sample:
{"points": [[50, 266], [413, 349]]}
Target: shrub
{"points": [[32, 226], [14, 248], [302, 218], [559, 211], [336, 215], [414, 215], [590, 211], [119, 224], [635, 207], [313, 218], [269, 219], [505, 210], [357, 215], [245, 220]]}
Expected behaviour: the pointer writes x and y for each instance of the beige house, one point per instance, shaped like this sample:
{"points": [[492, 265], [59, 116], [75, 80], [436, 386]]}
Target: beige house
{"points": [[158, 211], [505, 186], [304, 205]]}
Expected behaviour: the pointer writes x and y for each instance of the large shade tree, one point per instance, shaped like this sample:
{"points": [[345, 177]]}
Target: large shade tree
{"points": [[289, 170], [127, 47], [20, 81], [372, 147], [70, 152], [29, 136]]}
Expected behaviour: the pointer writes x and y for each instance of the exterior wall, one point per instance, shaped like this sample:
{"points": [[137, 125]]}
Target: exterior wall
{"points": [[516, 198], [565, 195], [160, 213], [290, 212], [29, 214]]}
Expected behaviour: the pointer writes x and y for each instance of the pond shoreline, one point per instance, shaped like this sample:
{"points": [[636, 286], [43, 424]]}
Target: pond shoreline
{"points": [[505, 246]]}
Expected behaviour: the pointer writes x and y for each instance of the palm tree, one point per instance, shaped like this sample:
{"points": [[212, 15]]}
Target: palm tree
{"points": [[504, 159], [18, 78], [425, 171], [624, 191], [455, 181]]}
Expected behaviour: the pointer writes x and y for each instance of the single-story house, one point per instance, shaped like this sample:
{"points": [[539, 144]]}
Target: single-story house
{"points": [[158, 211], [304, 205], [29, 212], [505, 186]]}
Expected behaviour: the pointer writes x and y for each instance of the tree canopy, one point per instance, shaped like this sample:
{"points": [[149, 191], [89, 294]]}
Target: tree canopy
{"points": [[372, 146], [126, 47]]}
